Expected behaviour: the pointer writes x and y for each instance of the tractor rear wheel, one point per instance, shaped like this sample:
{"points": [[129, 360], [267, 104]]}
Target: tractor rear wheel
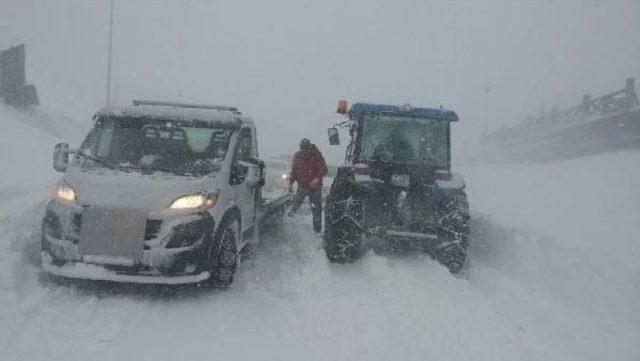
{"points": [[343, 230], [454, 229]]}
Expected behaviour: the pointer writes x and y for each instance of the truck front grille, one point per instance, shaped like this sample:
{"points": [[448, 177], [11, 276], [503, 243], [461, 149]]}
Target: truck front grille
{"points": [[152, 229], [76, 223], [51, 225], [76, 226]]}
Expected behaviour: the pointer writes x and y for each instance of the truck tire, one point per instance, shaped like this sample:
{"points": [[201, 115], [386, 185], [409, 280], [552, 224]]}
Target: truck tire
{"points": [[343, 233], [223, 253], [454, 231]]}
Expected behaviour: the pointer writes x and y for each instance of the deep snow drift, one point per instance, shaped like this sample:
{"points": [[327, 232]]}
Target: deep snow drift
{"points": [[552, 275]]}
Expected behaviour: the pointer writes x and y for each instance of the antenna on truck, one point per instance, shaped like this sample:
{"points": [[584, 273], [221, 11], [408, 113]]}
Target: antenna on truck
{"points": [[184, 105]]}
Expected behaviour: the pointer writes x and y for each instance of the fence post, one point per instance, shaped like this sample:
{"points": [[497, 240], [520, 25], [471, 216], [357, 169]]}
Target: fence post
{"points": [[586, 104], [630, 92]]}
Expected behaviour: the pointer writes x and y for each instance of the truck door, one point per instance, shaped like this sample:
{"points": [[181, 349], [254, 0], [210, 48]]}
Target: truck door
{"points": [[244, 194]]}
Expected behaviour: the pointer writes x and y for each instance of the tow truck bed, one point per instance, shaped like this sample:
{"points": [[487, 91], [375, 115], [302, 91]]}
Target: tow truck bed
{"points": [[273, 207]]}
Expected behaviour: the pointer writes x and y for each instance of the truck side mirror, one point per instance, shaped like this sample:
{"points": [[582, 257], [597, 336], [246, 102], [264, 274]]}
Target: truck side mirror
{"points": [[252, 173], [61, 157], [334, 136]]}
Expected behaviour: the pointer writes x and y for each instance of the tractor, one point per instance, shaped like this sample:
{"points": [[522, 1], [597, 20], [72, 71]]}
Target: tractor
{"points": [[396, 185]]}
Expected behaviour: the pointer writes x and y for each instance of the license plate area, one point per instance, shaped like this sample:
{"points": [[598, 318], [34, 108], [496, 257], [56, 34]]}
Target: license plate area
{"points": [[112, 236], [400, 180], [108, 260]]}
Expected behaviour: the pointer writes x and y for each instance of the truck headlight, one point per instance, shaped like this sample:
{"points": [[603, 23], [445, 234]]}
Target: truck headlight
{"points": [[194, 201], [66, 193]]}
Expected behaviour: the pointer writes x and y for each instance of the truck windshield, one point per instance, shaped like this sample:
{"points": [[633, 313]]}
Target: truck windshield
{"points": [[407, 140], [152, 145]]}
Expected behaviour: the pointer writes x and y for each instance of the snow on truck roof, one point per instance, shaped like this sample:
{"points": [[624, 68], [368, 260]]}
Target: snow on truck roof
{"points": [[177, 111], [358, 109]]}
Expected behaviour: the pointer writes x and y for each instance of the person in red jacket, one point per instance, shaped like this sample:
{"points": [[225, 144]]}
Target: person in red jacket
{"points": [[308, 169]]}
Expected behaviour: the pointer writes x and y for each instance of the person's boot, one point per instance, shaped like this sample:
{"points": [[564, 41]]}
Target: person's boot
{"points": [[317, 225]]}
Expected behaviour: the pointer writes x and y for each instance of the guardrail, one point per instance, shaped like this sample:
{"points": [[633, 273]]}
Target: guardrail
{"points": [[611, 121]]}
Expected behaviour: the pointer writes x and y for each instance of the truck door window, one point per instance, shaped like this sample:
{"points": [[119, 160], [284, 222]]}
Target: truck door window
{"points": [[244, 148], [243, 153]]}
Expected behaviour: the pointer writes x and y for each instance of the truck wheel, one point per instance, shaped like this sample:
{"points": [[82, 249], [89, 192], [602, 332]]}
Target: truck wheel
{"points": [[343, 231], [223, 253]]}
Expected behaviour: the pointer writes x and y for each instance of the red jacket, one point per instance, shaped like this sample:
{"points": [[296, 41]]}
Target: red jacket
{"points": [[307, 165]]}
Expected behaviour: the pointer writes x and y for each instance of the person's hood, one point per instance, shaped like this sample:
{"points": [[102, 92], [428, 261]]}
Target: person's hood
{"points": [[131, 190], [303, 153]]}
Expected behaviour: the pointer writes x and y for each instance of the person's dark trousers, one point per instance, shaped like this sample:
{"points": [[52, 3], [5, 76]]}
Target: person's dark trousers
{"points": [[315, 199]]}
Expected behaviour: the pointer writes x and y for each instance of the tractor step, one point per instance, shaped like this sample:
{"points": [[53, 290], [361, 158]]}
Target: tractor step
{"points": [[414, 235]]}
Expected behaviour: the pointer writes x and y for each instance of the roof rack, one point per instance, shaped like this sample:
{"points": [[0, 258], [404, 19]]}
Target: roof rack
{"points": [[184, 105]]}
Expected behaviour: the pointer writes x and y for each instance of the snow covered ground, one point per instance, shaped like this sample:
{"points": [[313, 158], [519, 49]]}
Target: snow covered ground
{"points": [[553, 275]]}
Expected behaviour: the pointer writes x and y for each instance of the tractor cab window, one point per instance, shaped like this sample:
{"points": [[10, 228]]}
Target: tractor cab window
{"points": [[405, 140]]}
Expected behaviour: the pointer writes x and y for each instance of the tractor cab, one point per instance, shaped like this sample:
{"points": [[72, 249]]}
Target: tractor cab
{"points": [[397, 184], [387, 139]]}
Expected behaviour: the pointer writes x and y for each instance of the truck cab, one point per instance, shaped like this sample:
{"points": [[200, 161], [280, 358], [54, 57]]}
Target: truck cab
{"points": [[157, 193]]}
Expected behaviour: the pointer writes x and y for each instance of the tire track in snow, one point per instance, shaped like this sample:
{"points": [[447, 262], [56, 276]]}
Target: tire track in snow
{"points": [[287, 302]]}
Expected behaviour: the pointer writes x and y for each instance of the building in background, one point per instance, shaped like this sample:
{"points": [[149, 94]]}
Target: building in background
{"points": [[13, 89]]}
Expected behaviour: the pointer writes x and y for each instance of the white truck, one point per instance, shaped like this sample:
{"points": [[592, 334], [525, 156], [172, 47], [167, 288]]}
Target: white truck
{"points": [[159, 193]]}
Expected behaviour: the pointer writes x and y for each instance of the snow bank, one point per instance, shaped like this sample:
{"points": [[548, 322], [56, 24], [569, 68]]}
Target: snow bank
{"points": [[27, 142], [570, 236], [27, 158]]}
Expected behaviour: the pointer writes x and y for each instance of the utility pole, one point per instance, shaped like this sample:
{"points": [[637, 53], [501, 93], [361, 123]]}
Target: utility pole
{"points": [[487, 90], [110, 55]]}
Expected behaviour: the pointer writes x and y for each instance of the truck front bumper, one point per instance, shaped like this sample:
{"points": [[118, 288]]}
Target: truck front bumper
{"points": [[157, 263], [60, 257], [80, 270]]}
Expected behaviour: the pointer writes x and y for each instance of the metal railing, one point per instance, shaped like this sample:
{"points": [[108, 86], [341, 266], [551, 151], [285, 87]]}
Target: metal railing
{"points": [[613, 103]]}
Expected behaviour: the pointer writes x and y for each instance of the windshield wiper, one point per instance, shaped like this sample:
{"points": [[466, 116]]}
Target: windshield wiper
{"points": [[101, 161], [178, 172]]}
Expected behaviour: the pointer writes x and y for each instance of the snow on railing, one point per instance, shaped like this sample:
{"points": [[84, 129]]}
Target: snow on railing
{"points": [[613, 103]]}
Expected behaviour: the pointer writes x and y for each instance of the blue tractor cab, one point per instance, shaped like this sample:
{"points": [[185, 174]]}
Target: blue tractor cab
{"points": [[396, 185]]}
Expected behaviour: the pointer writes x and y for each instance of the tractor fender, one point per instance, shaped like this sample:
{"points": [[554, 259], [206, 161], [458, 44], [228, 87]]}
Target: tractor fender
{"points": [[455, 183]]}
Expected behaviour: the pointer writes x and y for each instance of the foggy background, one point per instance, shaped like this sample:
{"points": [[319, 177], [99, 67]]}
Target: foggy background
{"points": [[552, 273], [286, 63]]}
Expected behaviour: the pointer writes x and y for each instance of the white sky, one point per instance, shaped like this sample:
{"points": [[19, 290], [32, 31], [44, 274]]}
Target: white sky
{"points": [[286, 63]]}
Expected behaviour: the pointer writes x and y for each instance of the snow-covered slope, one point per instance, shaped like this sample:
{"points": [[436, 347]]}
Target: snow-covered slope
{"points": [[568, 233], [26, 147], [552, 276]]}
